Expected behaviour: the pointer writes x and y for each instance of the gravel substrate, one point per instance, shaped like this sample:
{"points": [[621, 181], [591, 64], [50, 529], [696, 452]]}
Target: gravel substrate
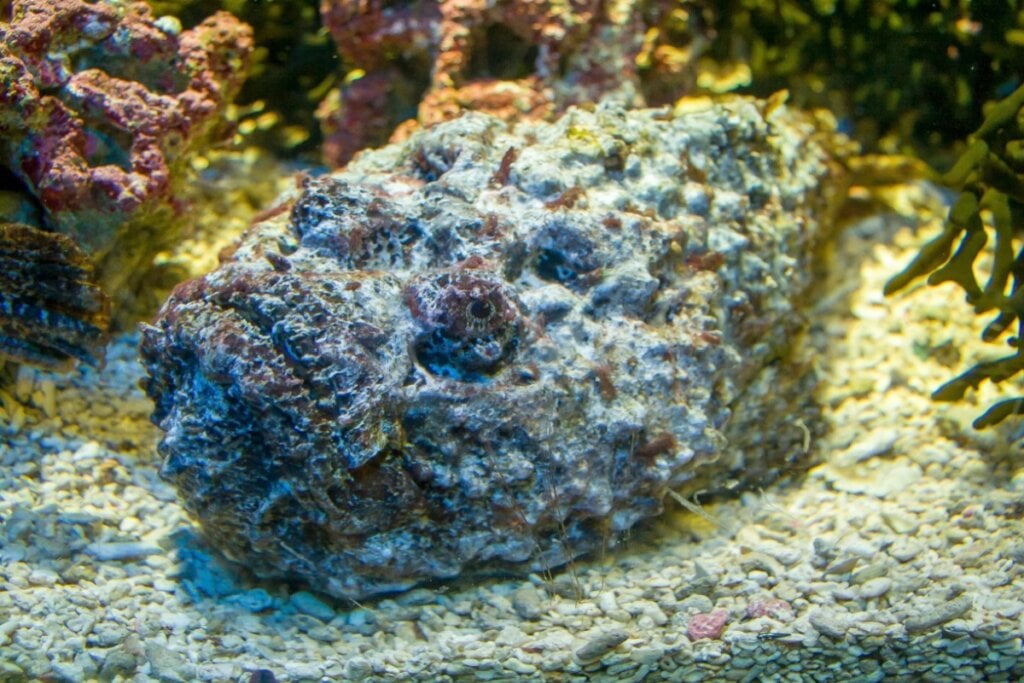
{"points": [[897, 558]]}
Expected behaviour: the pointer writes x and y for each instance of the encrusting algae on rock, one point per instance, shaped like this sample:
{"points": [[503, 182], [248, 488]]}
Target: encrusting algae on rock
{"points": [[494, 348], [418, 64], [101, 107]]}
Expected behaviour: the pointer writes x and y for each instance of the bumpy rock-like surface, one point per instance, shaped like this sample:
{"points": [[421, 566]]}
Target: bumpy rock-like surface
{"points": [[426, 62], [101, 104], [52, 312], [490, 348]]}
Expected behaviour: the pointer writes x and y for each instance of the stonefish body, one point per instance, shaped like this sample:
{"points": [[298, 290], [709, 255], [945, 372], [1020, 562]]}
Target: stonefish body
{"points": [[496, 348]]}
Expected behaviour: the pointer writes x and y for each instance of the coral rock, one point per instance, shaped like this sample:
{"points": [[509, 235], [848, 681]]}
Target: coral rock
{"points": [[51, 310], [428, 62], [100, 106], [708, 625], [492, 347]]}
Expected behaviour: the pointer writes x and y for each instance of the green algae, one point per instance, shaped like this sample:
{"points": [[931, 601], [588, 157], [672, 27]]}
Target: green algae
{"points": [[907, 75], [990, 179]]}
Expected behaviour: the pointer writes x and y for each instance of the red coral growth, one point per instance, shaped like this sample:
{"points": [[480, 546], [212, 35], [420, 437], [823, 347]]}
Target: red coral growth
{"points": [[100, 103], [424, 62], [358, 117], [427, 62]]}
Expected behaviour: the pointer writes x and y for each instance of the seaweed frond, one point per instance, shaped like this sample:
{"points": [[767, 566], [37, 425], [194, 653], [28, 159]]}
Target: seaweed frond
{"points": [[989, 176]]}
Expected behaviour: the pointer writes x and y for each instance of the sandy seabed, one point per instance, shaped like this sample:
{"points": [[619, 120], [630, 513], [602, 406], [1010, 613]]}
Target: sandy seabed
{"points": [[898, 556]]}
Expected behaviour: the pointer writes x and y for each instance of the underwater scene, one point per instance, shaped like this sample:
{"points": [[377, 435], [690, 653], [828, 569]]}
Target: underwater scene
{"points": [[493, 340]]}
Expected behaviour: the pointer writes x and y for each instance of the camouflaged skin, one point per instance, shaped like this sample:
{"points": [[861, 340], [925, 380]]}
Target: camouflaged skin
{"points": [[492, 348]]}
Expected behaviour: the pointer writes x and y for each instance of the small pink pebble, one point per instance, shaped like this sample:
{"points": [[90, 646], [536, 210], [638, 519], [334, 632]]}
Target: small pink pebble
{"points": [[707, 625], [769, 607]]}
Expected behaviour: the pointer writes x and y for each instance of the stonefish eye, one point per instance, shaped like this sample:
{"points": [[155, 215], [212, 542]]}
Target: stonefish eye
{"points": [[470, 323]]}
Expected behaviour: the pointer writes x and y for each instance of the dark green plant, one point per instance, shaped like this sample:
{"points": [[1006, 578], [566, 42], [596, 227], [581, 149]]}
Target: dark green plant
{"points": [[990, 178], [876, 63]]}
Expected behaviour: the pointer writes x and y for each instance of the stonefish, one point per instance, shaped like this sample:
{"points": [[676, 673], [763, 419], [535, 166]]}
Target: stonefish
{"points": [[492, 347]]}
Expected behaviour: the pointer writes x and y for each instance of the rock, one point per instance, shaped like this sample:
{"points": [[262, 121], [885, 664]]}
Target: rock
{"points": [[201, 572], [417, 597], [606, 601], [905, 550], [869, 573], [359, 618], [770, 607], [830, 623], [118, 662], [707, 625], [166, 665], [874, 588], [92, 126], [551, 56], [937, 615], [43, 577], [697, 602], [302, 671], [126, 550], [527, 602], [878, 442], [358, 668], [441, 362], [566, 585], [510, 636], [177, 622], [11, 671], [883, 479], [68, 672], [307, 603], [648, 656], [601, 644], [106, 634], [901, 522], [255, 600]]}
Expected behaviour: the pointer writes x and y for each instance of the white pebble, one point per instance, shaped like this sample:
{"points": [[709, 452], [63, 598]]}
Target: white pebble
{"points": [[176, 620], [120, 551], [606, 601], [43, 577], [24, 383], [90, 450], [874, 588]]}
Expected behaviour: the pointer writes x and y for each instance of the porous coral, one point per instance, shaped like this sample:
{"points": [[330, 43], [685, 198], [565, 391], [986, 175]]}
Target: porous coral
{"points": [[292, 64], [101, 105], [426, 62], [489, 347], [990, 178]]}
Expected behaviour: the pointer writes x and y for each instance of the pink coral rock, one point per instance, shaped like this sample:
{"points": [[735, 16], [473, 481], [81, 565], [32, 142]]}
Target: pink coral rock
{"points": [[770, 607], [708, 625], [100, 106], [427, 62]]}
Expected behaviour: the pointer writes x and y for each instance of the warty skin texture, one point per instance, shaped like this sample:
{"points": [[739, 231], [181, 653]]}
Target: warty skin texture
{"points": [[52, 312], [487, 348]]}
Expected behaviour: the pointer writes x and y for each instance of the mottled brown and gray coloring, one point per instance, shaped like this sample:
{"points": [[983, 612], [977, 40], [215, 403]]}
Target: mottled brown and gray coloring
{"points": [[52, 311], [490, 348]]}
